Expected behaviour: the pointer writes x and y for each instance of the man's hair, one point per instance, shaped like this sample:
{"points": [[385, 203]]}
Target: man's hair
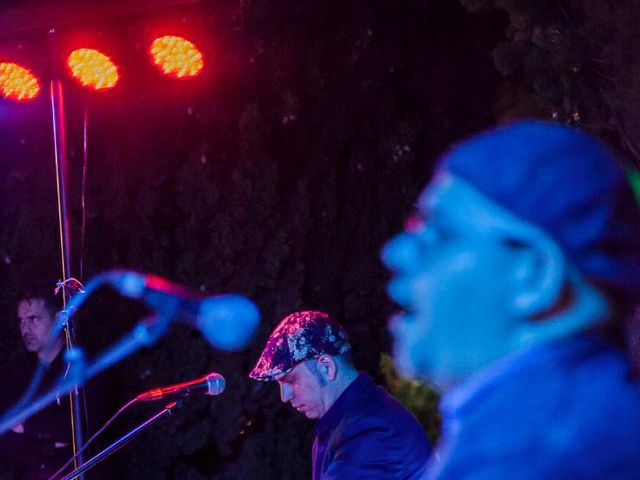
{"points": [[343, 360], [44, 291], [311, 365]]}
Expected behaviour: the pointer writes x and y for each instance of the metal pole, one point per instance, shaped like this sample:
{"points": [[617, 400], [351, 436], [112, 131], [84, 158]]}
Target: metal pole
{"points": [[62, 173]]}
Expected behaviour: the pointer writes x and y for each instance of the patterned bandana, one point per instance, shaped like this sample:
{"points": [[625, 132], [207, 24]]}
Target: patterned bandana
{"points": [[300, 336]]}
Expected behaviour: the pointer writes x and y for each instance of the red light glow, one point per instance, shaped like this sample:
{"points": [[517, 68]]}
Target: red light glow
{"points": [[176, 57], [93, 69], [17, 83]]}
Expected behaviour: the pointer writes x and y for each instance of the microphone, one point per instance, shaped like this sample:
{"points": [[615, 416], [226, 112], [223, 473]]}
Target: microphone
{"points": [[211, 384], [228, 322]]}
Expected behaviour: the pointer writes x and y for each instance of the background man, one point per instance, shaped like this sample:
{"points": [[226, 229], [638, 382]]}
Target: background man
{"points": [[516, 275], [362, 432], [38, 447]]}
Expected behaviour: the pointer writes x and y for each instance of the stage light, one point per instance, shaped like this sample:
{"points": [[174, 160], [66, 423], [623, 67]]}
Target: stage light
{"points": [[93, 69], [18, 83], [176, 57]]}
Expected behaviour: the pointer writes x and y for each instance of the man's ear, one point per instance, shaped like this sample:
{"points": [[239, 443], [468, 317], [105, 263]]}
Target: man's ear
{"points": [[538, 276], [542, 276], [327, 367]]}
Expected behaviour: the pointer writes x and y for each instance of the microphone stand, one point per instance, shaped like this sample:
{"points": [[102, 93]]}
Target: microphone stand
{"points": [[122, 441]]}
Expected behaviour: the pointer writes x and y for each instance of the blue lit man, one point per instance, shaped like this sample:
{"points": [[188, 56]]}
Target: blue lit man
{"points": [[362, 432], [516, 276]]}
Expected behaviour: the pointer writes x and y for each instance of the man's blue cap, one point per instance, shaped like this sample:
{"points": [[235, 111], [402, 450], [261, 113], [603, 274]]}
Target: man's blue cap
{"points": [[565, 182]]}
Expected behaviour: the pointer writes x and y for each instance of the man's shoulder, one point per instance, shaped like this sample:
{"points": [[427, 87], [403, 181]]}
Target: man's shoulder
{"points": [[556, 409], [377, 412], [16, 373], [379, 438], [375, 400]]}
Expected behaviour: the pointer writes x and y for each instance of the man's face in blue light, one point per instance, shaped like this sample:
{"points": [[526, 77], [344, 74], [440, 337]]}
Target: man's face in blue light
{"points": [[303, 388], [36, 321], [452, 270]]}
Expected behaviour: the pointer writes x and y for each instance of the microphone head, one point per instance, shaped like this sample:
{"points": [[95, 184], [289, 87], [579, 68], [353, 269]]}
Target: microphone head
{"points": [[215, 383], [228, 322], [128, 283]]}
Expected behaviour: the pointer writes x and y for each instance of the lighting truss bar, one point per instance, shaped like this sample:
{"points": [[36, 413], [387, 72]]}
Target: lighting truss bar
{"points": [[74, 12]]}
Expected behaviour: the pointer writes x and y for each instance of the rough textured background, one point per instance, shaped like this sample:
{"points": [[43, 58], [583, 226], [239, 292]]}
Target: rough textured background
{"points": [[279, 174]]}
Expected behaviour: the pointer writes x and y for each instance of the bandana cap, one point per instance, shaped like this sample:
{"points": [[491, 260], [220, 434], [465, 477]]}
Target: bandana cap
{"points": [[300, 336], [565, 182]]}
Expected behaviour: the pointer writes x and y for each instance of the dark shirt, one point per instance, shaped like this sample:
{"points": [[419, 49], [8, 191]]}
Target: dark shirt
{"points": [[367, 434], [33, 455]]}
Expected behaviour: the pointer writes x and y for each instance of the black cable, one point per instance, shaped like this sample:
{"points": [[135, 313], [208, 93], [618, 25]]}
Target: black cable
{"points": [[93, 437]]}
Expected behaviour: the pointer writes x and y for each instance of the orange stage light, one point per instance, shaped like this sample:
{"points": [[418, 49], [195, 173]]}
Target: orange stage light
{"points": [[93, 69], [176, 57], [18, 83]]}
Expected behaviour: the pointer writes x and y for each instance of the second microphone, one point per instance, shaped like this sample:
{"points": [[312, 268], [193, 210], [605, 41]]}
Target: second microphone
{"points": [[211, 384]]}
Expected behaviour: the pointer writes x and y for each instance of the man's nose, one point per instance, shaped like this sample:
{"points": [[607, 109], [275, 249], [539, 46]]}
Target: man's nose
{"points": [[285, 394], [400, 253]]}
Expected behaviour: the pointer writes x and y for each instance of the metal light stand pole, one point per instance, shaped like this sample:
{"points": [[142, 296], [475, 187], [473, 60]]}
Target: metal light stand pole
{"points": [[56, 93]]}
